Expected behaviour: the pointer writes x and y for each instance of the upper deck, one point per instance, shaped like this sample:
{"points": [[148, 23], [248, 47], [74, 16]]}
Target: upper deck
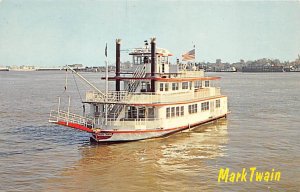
{"points": [[154, 99], [151, 79]]}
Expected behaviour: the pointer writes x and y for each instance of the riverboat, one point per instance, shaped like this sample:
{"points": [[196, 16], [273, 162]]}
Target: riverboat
{"points": [[155, 99]]}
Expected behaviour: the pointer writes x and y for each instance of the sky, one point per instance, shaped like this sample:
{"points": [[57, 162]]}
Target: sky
{"points": [[59, 32]]}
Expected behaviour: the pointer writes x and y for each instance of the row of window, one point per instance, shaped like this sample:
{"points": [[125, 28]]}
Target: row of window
{"points": [[205, 106], [193, 109], [184, 85], [175, 111], [179, 111]]}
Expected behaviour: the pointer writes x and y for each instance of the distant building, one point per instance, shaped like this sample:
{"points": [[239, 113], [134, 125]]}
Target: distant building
{"points": [[76, 66]]}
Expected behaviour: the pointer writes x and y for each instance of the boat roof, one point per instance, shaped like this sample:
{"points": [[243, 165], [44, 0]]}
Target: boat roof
{"points": [[147, 51]]}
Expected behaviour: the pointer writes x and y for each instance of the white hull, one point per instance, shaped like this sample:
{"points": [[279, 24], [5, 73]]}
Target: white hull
{"points": [[123, 136]]}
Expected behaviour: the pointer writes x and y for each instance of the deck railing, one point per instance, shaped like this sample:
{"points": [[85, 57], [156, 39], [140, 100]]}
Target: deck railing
{"points": [[59, 115], [130, 123], [151, 98], [112, 96], [67, 117]]}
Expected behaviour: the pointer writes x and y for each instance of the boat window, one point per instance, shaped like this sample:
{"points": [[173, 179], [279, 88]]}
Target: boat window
{"points": [[168, 114], [193, 108], [205, 106], [174, 86], [142, 112], [161, 87], [150, 112], [135, 60], [218, 103], [185, 85], [198, 84], [138, 60], [206, 83], [191, 85], [173, 112], [177, 112], [182, 111], [132, 112], [167, 87]]}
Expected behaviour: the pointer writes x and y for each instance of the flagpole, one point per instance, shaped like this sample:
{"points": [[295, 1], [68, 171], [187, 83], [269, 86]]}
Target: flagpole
{"points": [[106, 83], [195, 52], [194, 58]]}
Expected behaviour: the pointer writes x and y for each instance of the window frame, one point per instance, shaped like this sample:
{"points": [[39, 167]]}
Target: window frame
{"points": [[182, 111], [218, 103], [161, 87], [174, 86], [205, 106], [166, 86], [193, 108], [206, 84], [173, 112], [185, 85], [168, 113]]}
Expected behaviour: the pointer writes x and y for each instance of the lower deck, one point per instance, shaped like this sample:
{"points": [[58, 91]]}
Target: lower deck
{"points": [[107, 136], [160, 117], [140, 124]]}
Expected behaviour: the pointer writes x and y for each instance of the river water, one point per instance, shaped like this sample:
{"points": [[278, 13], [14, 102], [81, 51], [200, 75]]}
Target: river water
{"points": [[262, 131]]}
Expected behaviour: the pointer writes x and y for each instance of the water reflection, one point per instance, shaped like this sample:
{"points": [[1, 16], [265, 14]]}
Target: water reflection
{"points": [[204, 142], [159, 164]]}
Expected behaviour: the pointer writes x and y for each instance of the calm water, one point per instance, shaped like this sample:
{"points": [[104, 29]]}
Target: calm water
{"points": [[262, 131]]}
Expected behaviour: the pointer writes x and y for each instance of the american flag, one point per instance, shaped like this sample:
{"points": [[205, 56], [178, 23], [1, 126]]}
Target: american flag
{"points": [[189, 55]]}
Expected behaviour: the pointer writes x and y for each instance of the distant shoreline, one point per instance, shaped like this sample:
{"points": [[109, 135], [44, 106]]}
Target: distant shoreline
{"points": [[88, 71]]}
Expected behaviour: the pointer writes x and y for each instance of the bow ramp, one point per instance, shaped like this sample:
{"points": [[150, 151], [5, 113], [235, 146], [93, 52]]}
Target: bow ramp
{"points": [[72, 120]]}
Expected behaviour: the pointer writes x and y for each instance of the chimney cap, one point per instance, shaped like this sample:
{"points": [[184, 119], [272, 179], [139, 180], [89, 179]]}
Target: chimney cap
{"points": [[153, 39]]}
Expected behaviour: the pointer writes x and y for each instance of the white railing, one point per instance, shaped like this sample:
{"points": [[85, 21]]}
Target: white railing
{"points": [[150, 98], [111, 97], [144, 98], [59, 115], [143, 123], [196, 73]]}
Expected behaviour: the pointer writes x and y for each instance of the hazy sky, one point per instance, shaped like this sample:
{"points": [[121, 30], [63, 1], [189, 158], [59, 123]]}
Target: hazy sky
{"points": [[59, 32]]}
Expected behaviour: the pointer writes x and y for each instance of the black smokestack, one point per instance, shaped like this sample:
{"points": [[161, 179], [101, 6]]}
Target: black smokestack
{"points": [[118, 63], [153, 61]]}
